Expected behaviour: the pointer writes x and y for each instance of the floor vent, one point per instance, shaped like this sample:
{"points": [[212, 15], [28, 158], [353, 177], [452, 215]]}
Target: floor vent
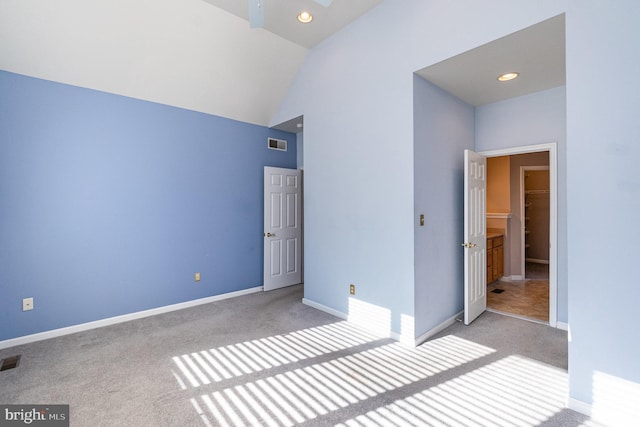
{"points": [[9, 363], [497, 291]]}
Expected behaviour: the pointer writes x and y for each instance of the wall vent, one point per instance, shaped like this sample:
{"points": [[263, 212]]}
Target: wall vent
{"points": [[277, 144], [9, 362]]}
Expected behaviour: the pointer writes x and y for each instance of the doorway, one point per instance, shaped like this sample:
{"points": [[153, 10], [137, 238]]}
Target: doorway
{"points": [[531, 292], [534, 205], [282, 227]]}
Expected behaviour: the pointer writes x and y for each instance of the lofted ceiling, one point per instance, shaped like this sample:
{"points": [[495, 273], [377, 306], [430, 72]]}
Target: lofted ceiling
{"points": [[280, 17], [183, 53], [202, 55], [536, 52]]}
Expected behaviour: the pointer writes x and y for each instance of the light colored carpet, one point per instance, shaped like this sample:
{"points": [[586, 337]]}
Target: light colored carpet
{"points": [[266, 359]]}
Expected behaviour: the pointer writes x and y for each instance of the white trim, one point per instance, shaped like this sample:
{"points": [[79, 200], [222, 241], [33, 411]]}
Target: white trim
{"points": [[404, 339], [513, 277], [324, 308], [580, 406], [552, 148], [499, 215], [519, 150], [437, 329], [123, 318], [562, 325]]}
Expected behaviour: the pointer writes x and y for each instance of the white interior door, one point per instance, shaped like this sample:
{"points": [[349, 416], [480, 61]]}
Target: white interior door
{"points": [[475, 239], [282, 228]]}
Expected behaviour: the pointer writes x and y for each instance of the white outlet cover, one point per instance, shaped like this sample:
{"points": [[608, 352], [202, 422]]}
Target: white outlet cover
{"points": [[27, 304]]}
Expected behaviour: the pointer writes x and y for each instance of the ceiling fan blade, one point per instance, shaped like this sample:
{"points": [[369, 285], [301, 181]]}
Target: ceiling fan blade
{"points": [[256, 13], [325, 3]]}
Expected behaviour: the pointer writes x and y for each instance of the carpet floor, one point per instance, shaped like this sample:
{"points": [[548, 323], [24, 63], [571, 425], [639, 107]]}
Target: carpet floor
{"points": [[267, 359]]}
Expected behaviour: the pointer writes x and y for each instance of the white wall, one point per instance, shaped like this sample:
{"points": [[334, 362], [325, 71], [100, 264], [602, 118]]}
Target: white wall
{"points": [[603, 187], [356, 93], [444, 127], [529, 120]]}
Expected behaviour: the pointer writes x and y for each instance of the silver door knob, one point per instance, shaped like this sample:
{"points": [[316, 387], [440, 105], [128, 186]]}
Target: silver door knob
{"points": [[270, 235]]}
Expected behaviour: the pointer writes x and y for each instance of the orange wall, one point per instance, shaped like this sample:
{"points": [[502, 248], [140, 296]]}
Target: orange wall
{"points": [[498, 188]]}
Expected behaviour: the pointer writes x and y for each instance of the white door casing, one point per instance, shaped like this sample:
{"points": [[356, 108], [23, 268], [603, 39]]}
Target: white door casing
{"points": [[550, 147], [282, 228], [475, 239]]}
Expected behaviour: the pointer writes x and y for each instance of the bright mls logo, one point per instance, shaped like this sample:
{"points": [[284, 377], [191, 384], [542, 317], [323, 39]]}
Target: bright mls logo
{"points": [[34, 415]]}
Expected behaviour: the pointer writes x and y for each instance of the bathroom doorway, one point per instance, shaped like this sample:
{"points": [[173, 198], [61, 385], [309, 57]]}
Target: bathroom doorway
{"points": [[528, 287]]}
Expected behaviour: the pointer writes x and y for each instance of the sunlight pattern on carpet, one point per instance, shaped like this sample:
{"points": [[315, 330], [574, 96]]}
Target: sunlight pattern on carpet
{"points": [[303, 394], [222, 363], [514, 391]]}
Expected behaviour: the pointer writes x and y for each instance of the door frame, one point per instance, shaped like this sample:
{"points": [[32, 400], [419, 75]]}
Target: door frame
{"points": [[284, 279], [552, 148]]}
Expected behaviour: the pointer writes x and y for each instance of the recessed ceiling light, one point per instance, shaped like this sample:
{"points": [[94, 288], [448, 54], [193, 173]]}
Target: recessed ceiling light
{"points": [[508, 76], [305, 17]]}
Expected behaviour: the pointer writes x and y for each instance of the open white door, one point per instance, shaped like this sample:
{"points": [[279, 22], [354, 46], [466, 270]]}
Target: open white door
{"points": [[282, 228], [475, 239]]}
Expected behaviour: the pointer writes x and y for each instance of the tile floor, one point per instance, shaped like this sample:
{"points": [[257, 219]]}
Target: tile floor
{"points": [[526, 298]]}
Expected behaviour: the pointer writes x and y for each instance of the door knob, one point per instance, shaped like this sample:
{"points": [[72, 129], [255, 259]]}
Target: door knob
{"points": [[270, 235], [469, 245]]}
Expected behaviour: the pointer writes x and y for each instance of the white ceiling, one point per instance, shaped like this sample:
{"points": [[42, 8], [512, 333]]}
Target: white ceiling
{"points": [[280, 17], [536, 52]]}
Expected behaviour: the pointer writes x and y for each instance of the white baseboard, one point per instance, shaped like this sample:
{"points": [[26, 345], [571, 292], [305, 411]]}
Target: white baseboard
{"points": [[512, 277], [388, 334], [580, 406], [120, 319], [562, 325], [433, 331], [404, 339], [324, 308]]}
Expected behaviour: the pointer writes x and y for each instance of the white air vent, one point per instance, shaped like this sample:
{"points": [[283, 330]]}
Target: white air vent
{"points": [[277, 144]]}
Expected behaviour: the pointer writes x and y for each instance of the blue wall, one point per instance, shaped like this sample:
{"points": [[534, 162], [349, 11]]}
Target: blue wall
{"points": [[109, 205], [444, 126]]}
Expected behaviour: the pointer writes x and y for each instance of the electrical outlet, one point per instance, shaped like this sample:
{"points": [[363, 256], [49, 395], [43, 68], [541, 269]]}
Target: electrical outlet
{"points": [[27, 304], [197, 277], [352, 289]]}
